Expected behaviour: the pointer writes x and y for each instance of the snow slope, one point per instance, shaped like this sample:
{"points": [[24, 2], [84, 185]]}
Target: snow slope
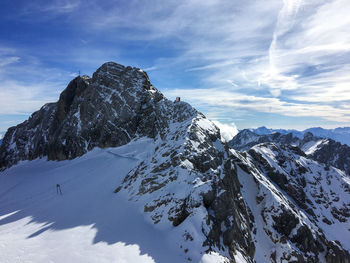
{"points": [[297, 204], [88, 223]]}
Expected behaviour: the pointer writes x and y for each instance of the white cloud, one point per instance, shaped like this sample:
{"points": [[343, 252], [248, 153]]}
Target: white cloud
{"points": [[228, 131], [8, 60], [18, 98], [289, 57], [304, 68], [50, 8], [230, 99], [26, 86]]}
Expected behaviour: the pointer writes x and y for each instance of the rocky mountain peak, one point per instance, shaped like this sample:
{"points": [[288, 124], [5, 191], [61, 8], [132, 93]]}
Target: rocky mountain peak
{"points": [[74, 89], [112, 72], [308, 136], [326, 151], [114, 106]]}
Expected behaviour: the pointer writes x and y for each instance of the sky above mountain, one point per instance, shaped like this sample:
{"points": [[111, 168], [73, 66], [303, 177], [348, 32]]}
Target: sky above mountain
{"points": [[282, 64]]}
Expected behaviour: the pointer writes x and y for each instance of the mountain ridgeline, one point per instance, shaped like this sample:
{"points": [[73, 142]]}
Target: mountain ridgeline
{"points": [[340, 134], [322, 150], [254, 199], [114, 106]]}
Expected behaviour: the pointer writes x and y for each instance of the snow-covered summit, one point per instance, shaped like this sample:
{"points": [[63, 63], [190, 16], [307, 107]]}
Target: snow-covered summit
{"points": [[326, 151]]}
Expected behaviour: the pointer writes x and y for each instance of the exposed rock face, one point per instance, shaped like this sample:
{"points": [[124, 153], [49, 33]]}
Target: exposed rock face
{"points": [[299, 204], [190, 176], [325, 151], [313, 197], [246, 139], [334, 154], [269, 204], [113, 107]]}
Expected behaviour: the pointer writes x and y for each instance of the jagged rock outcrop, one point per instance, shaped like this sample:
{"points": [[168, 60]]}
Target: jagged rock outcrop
{"points": [[340, 134], [300, 206], [188, 177], [246, 139], [326, 151], [332, 153], [109, 109]]}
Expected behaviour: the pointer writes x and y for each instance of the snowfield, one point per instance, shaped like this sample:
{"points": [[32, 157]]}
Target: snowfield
{"points": [[89, 222]]}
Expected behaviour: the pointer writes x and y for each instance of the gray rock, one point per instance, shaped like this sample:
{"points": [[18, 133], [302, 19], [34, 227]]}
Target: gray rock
{"points": [[328, 151], [116, 105]]}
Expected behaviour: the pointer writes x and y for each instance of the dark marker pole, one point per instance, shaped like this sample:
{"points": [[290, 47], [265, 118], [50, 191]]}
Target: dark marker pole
{"points": [[58, 189]]}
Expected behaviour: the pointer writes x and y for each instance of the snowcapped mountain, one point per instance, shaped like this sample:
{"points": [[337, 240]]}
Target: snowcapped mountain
{"points": [[326, 151], [298, 205], [110, 109], [246, 139], [341, 134], [264, 131], [146, 179]]}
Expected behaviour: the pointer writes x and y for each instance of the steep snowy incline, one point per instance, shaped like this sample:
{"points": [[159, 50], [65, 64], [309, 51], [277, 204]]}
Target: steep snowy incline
{"points": [[332, 153], [37, 224], [88, 223], [190, 183], [300, 207]]}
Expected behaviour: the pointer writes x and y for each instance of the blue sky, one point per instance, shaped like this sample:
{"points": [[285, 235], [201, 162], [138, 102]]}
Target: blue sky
{"points": [[283, 64]]}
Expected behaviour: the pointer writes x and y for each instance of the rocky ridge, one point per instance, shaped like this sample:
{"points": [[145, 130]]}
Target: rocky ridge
{"points": [[326, 151], [340, 134], [113, 107], [302, 203]]}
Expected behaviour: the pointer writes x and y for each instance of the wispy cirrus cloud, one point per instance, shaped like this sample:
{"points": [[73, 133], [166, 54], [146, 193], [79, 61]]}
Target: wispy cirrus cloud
{"points": [[25, 85], [290, 57], [48, 8], [231, 99]]}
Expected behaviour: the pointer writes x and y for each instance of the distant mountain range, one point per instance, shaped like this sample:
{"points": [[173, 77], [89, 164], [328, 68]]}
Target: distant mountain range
{"points": [[341, 134]]}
